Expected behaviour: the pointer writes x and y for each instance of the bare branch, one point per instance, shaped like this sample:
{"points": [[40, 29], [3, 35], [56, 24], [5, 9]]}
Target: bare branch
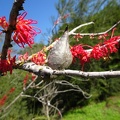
{"points": [[43, 70], [72, 32], [29, 96], [75, 88]]}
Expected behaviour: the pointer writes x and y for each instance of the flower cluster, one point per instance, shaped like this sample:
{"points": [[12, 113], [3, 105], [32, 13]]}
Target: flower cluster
{"points": [[108, 47], [80, 53], [7, 64], [23, 57], [39, 58], [97, 52], [3, 23], [25, 33]]}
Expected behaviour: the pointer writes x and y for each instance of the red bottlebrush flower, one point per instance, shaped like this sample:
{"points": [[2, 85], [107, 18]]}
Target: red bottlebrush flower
{"points": [[23, 57], [11, 90], [7, 65], [97, 52], [3, 100], [103, 36], [5, 97], [112, 43], [78, 36], [25, 80], [112, 48], [33, 77], [25, 33], [81, 54], [39, 58], [105, 51], [109, 46], [3, 23]]}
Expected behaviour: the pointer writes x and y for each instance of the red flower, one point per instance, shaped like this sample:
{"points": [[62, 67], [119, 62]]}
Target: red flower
{"points": [[7, 64], [25, 33], [3, 100], [109, 46], [97, 52], [78, 36], [80, 53], [5, 97], [39, 58], [105, 51], [11, 90], [3, 23], [23, 57], [112, 43], [25, 80], [103, 36], [33, 77]]}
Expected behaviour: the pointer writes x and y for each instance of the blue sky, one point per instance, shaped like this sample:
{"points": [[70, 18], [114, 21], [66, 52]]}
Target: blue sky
{"points": [[40, 10]]}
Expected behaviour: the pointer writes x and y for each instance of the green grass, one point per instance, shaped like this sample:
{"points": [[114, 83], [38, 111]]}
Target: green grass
{"points": [[109, 110]]}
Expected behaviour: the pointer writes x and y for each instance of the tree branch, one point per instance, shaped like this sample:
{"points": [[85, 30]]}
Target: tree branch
{"points": [[72, 32], [17, 6], [45, 70]]}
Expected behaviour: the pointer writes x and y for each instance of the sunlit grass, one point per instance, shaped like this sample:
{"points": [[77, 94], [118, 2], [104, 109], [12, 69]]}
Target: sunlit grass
{"points": [[109, 110]]}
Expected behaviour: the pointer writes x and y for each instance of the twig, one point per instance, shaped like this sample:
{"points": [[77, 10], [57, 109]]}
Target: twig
{"points": [[74, 88], [29, 96], [72, 32], [4, 110], [43, 88]]}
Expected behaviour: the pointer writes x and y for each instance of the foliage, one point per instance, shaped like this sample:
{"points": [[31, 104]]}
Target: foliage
{"points": [[19, 109], [109, 110]]}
